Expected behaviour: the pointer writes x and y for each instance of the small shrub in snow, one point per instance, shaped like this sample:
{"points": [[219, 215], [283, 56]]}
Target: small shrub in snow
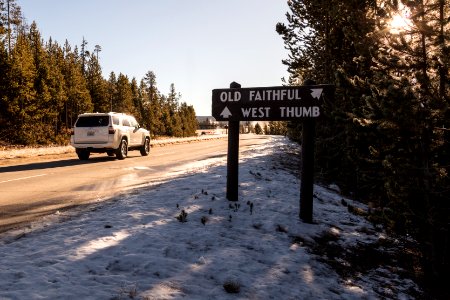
{"points": [[182, 217], [356, 210], [334, 187], [250, 204], [232, 287], [234, 207], [257, 174], [281, 228], [127, 292], [257, 226]]}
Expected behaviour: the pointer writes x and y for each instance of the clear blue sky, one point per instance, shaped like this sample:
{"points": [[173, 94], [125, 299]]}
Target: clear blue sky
{"points": [[198, 45]]}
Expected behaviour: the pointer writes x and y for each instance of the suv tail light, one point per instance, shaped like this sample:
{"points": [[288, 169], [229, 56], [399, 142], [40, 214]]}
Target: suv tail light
{"points": [[111, 130], [72, 131]]}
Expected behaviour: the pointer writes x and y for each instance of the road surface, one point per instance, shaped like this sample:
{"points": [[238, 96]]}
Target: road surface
{"points": [[35, 189]]}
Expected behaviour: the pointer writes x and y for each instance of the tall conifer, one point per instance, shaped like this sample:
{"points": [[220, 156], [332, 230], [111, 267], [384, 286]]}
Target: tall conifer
{"points": [[96, 83], [78, 96], [124, 97], [21, 93], [152, 104]]}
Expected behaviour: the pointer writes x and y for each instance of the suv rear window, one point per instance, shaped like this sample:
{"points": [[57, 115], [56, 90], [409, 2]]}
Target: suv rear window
{"points": [[92, 121], [126, 122]]}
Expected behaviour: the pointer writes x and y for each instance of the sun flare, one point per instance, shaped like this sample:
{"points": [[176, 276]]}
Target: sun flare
{"points": [[401, 21]]}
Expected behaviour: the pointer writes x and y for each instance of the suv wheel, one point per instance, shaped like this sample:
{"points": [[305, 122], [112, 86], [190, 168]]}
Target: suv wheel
{"points": [[122, 151], [83, 154], [145, 149]]}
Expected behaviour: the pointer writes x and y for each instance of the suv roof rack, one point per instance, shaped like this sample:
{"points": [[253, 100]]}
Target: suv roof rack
{"points": [[106, 113]]}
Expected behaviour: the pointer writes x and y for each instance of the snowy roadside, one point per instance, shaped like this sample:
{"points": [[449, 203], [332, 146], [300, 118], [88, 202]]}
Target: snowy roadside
{"points": [[27, 152], [140, 245]]}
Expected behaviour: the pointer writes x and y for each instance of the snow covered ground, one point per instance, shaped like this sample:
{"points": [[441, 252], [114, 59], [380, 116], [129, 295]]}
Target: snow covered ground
{"points": [[140, 246]]}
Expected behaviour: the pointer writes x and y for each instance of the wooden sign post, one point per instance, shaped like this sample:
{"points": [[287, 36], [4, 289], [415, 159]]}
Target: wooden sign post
{"points": [[233, 156], [280, 103]]}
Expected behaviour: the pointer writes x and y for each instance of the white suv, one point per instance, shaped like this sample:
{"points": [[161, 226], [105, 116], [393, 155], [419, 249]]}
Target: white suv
{"points": [[113, 133]]}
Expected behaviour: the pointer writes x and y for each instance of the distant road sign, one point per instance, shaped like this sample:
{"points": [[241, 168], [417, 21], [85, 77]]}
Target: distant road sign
{"points": [[268, 103]]}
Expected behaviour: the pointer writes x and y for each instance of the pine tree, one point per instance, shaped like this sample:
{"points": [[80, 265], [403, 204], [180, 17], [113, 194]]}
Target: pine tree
{"points": [[3, 21], [78, 97], [165, 117], [112, 92], [96, 83], [84, 55], [152, 104], [188, 119], [143, 107], [277, 128], [258, 129], [266, 129], [21, 93], [175, 123], [123, 97], [58, 92], [10, 22], [4, 86], [43, 111], [137, 101]]}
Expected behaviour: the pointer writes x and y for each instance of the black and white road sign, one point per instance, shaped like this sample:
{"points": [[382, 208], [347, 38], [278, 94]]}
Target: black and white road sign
{"points": [[268, 103]]}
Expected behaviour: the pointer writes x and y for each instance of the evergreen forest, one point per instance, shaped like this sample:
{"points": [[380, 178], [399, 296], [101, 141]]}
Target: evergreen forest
{"points": [[384, 137], [45, 85]]}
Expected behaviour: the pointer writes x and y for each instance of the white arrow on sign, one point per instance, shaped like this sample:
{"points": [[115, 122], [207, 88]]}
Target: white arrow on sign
{"points": [[226, 113], [316, 93]]}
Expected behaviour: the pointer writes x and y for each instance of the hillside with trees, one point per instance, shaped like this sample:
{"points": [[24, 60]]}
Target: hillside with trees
{"points": [[385, 135], [45, 85]]}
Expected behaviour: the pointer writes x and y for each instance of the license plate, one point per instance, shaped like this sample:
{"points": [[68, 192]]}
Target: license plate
{"points": [[90, 133]]}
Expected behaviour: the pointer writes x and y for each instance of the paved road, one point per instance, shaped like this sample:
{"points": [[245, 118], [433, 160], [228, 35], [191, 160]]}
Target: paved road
{"points": [[35, 189]]}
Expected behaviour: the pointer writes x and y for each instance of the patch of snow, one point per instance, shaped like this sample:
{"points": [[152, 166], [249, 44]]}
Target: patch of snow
{"points": [[26, 152], [135, 247]]}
